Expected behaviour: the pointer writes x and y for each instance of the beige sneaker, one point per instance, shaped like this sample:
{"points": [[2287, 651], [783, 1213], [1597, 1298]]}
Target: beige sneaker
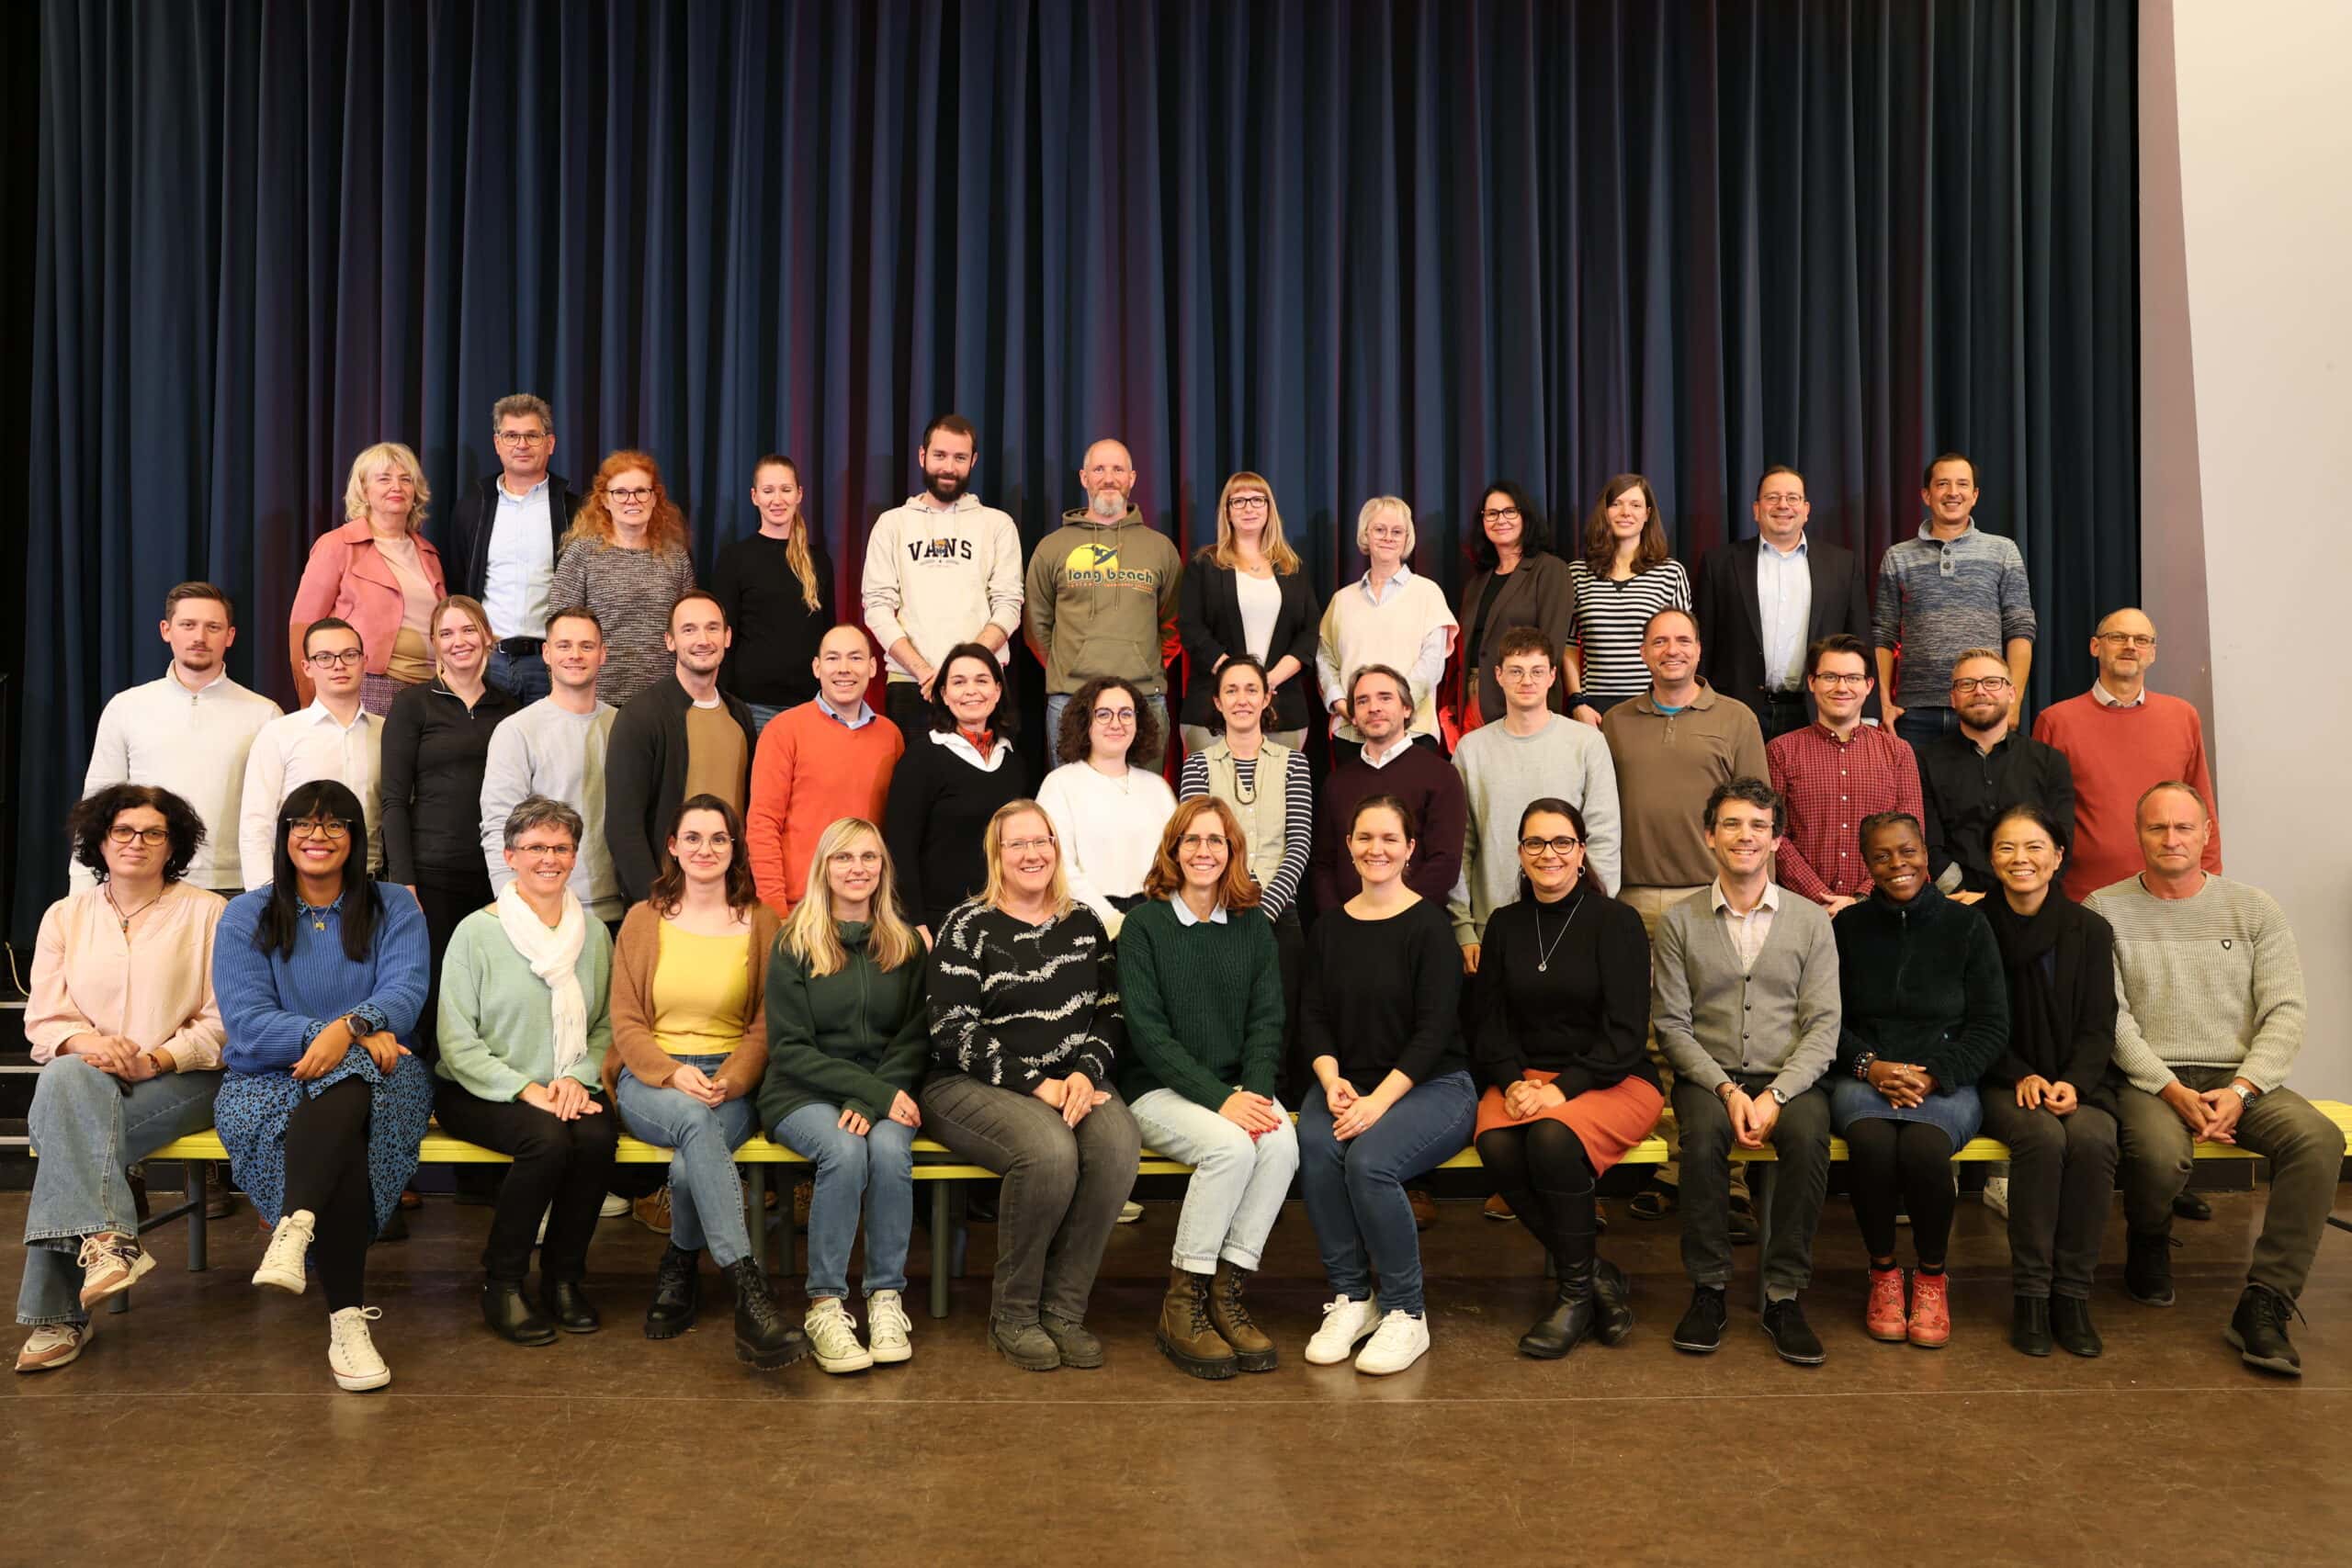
{"points": [[888, 1335], [109, 1263], [54, 1344], [833, 1337], [290, 1245], [351, 1353]]}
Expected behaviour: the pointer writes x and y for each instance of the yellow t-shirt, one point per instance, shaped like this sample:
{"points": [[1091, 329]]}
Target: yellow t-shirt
{"points": [[701, 993]]}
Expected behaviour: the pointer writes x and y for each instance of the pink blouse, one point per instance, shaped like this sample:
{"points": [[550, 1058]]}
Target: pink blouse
{"points": [[153, 986]]}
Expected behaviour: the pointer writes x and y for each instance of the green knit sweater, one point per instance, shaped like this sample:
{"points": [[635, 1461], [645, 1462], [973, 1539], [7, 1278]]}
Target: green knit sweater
{"points": [[1203, 1004], [853, 1038]]}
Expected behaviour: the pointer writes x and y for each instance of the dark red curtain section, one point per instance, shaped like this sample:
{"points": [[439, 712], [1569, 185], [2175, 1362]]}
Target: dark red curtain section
{"points": [[1360, 246]]}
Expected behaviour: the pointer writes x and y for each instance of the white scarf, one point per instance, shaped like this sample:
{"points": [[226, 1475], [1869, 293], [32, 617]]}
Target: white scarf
{"points": [[554, 957]]}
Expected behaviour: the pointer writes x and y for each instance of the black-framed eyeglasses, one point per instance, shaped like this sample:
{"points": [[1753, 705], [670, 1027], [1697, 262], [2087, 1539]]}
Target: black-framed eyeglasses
{"points": [[1839, 678], [1254, 502], [332, 658], [123, 832], [1501, 514], [334, 829], [1994, 684], [1559, 846]]}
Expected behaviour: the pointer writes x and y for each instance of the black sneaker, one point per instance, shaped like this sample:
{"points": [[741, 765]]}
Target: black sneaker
{"points": [[2258, 1330], [1701, 1328], [2147, 1267], [1792, 1335]]}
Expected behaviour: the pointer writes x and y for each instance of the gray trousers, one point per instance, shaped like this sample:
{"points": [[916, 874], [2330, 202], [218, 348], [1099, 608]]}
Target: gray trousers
{"points": [[1801, 1181], [2061, 1173]]}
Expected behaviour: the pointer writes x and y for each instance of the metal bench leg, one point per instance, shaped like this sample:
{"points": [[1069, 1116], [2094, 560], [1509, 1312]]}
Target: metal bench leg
{"points": [[756, 1206], [1760, 1177], [198, 1179], [941, 1247]]}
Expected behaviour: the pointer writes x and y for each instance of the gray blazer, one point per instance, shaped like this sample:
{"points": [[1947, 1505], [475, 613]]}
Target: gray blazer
{"points": [[1782, 1017]]}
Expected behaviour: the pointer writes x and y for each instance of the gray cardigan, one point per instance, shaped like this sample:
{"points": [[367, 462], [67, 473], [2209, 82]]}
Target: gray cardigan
{"points": [[1780, 1017]]}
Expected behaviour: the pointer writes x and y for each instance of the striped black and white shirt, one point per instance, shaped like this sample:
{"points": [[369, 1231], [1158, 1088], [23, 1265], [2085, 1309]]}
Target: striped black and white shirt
{"points": [[1609, 619]]}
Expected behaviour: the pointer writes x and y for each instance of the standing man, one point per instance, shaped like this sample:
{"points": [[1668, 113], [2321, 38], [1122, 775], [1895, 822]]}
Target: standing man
{"points": [[1953, 587], [555, 747], [334, 737], [1834, 772], [508, 529], [830, 757], [675, 739], [1970, 778], [1380, 705], [1762, 602], [1746, 987], [189, 732], [942, 569], [2121, 739], [1101, 598], [2211, 1021]]}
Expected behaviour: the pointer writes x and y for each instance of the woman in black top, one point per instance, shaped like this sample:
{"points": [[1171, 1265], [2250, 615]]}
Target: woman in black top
{"points": [[1519, 582], [1381, 1025], [1245, 593], [1569, 1087], [2046, 1095], [951, 782], [776, 586]]}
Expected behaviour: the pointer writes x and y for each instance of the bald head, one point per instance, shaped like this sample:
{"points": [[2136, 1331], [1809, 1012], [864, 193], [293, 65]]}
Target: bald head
{"points": [[2124, 646], [1109, 475]]}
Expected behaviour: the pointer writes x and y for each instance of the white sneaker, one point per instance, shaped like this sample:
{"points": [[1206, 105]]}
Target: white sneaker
{"points": [[351, 1354], [289, 1244], [1130, 1212], [1345, 1323], [1996, 1195], [1402, 1340], [887, 1332], [613, 1207], [52, 1345], [832, 1337]]}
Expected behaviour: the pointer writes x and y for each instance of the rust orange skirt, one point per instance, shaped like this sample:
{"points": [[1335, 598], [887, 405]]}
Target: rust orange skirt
{"points": [[1607, 1121]]}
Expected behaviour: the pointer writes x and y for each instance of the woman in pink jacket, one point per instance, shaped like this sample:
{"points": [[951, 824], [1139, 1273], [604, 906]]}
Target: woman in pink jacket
{"points": [[378, 571]]}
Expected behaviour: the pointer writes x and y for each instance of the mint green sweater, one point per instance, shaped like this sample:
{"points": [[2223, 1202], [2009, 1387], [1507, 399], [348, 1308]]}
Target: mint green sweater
{"points": [[1203, 1004], [497, 1032]]}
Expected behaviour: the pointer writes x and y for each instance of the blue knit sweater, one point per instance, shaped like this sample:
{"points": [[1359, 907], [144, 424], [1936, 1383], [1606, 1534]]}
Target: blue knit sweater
{"points": [[274, 1006]]}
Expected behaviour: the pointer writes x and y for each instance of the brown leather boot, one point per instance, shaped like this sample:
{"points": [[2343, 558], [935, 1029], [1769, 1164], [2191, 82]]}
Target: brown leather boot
{"points": [[1252, 1351], [1185, 1335]]}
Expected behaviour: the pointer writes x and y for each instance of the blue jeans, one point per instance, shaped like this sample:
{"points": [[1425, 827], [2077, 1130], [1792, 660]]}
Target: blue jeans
{"points": [[761, 714], [524, 675], [881, 1166], [85, 1130], [706, 1195], [1355, 1190], [1056, 701], [1919, 725]]}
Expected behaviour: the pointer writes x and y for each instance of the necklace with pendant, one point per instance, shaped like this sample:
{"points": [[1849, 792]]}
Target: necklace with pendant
{"points": [[122, 922], [1544, 950]]}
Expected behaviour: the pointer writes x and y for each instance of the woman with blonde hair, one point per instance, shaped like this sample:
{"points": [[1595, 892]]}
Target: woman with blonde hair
{"points": [[1245, 594], [378, 572], [1625, 575], [627, 559], [776, 586], [1387, 617], [847, 1040]]}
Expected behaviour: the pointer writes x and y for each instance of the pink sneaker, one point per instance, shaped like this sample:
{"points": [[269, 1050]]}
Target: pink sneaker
{"points": [[1930, 1311], [1883, 1317]]}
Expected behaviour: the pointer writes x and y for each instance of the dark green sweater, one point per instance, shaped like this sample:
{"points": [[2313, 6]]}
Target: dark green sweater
{"points": [[1921, 983], [852, 1038], [1203, 1004]]}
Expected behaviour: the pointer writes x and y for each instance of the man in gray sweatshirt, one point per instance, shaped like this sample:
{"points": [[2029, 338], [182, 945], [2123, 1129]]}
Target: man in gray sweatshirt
{"points": [[555, 747], [1951, 589]]}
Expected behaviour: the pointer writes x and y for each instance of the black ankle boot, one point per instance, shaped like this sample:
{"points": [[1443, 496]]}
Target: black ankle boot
{"points": [[1569, 1321], [2070, 1326], [511, 1316], [2029, 1326], [677, 1294], [765, 1337], [562, 1301]]}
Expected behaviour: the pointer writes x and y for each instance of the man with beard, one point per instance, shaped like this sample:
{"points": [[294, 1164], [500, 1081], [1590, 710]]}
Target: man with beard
{"points": [[1971, 778], [940, 571], [675, 739], [831, 757]]}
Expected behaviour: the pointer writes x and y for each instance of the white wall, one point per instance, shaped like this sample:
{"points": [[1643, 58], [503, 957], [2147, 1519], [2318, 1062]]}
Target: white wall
{"points": [[2246, 466]]}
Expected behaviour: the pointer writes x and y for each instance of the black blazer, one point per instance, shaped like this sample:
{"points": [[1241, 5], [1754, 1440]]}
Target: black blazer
{"points": [[477, 513], [645, 778], [1731, 622], [1208, 619]]}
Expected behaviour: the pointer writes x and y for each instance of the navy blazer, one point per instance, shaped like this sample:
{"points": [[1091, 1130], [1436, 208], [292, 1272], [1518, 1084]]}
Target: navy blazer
{"points": [[477, 513], [1731, 621]]}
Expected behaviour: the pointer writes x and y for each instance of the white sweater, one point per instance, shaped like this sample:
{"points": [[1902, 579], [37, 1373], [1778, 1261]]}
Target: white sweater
{"points": [[936, 578], [1109, 831], [192, 743]]}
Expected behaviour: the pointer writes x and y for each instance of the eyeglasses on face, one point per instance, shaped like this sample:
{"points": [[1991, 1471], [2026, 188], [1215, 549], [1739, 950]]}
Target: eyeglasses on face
{"points": [[1501, 514], [867, 857], [1191, 841], [123, 832], [1560, 846], [1115, 716], [716, 840], [334, 829], [1994, 685], [1839, 678], [521, 438], [1027, 846], [632, 495], [1249, 503], [2127, 639], [546, 851], [334, 658]]}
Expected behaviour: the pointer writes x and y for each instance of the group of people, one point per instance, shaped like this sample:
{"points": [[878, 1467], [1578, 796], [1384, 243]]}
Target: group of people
{"points": [[1671, 859]]}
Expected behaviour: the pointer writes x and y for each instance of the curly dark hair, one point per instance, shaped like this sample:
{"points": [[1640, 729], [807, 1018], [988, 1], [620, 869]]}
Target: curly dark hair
{"points": [[669, 889], [1074, 741], [87, 824], [1005, 723]]}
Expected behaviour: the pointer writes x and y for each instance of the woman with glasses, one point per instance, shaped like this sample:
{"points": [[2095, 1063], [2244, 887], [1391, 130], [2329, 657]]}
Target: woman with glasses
{"points": [[380, 573], [123, 1027], [776, 586], [1626, 575], [1106, 804], [1388, 617], [1562, 1019], [625, 558], [952, 779], [1245, 594], [1519, 582], [320, 973]]}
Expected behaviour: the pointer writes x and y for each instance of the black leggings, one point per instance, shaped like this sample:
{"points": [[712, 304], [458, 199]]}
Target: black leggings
{"points": [[1907, 1162], [1540, 1169], [326, 1172]]}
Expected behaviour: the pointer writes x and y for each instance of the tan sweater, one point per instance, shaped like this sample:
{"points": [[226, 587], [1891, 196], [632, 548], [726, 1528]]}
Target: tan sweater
{"points": [[1667, 766], [634, 958]]}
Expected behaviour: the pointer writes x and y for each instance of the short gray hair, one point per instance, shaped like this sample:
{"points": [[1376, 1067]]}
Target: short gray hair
{"points": [[517, 405], [542, 811]]}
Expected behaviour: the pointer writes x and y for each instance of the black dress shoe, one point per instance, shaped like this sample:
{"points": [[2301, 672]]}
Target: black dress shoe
{"points": [[1700, 1332], [2029, 1326], [510, 1315], [677, 1294], [1792, 1335], [2070, 1326], [561, 1301], [2189, 1206], [2147, 1267], [2258, 1329]]}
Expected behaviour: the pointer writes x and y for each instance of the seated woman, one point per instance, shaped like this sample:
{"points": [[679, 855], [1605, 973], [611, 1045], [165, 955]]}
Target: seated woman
{"points": [[1926, 1012], [320, 974], [1380, 1024], [949, 783], [124, 1069], [2046, 1096], [523, 1028], [848, 1036], [1201, 987], [1107, 802], [1559, 1045], [690, 1041], [1024, 1037]]}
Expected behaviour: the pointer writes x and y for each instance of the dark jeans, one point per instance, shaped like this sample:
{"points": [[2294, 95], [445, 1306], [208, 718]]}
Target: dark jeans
{"points": [[1290, 952], [447, 897], [1921, 725], [1062, 1192], [560, 1170], [326, 1172], [524, 675], [2061, 1172], [1355, 1190], [1902, 1166], [902, 705], [1778, 714], [1800, 1182]]}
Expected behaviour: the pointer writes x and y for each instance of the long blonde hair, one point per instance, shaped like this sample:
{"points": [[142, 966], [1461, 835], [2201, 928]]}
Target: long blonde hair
{"points": [[1058, 892], [1278, 554], [355, 488], [810, 933], [795, 550]]}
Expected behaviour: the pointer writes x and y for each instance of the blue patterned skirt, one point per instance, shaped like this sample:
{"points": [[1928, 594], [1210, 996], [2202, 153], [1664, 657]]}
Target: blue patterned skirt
{"points": [[251, 1109]]}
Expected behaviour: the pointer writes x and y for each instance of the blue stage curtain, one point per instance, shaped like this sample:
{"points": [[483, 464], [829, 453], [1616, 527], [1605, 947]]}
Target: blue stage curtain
{"points": [[1359, 245]]}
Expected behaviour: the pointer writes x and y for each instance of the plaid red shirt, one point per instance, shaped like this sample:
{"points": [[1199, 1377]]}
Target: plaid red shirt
{"points": [[1830, 786]]}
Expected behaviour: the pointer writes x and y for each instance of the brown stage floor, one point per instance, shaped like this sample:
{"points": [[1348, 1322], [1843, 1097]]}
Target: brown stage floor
{"points": [[202, 1428]]}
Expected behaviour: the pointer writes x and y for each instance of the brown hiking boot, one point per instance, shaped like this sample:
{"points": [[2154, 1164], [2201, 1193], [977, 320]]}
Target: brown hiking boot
{"points": [[1185, 1335], [1252, 1351]]}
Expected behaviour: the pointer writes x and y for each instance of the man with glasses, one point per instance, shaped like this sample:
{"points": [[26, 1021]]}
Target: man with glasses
{"points": [[334, 737], [507, 530], [555, 747], [675, 739], [830, 757], [1969, 779], [1762, 602], [1834, 773], [2121, 739], [1953, 587]]}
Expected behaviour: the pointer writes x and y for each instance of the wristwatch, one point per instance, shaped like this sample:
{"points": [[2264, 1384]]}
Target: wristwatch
{"points": [[1777, 1097], [2245, 1095]]}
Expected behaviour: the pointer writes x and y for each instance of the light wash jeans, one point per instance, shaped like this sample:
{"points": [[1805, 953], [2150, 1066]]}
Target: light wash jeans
{"points": [[85, 1130], [1056, 701], [881, 1166], [706, 1195], [1355, 1190], [1238, 1185]]}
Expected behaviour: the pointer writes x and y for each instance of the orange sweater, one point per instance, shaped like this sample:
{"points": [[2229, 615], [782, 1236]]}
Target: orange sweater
{"points": [[2117, 754], [811, 770]]}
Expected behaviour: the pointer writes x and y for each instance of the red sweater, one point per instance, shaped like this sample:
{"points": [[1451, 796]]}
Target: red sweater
{"points": [[2117, 755], [810, 770]]}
